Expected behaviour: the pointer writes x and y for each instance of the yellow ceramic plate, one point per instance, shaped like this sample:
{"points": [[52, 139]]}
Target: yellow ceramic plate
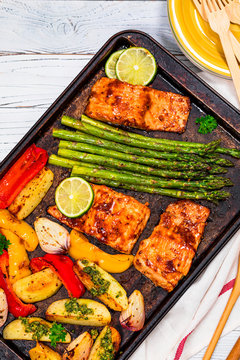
{"points": [[195, 38]]}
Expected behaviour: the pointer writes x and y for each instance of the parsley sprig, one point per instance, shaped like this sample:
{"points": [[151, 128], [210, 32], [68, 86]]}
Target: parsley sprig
{"points": [[57, 333], [206, 124], [4, 243]]}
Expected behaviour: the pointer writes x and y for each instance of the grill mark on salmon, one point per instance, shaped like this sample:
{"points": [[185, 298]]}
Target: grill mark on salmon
{"points": [[142, 107]]}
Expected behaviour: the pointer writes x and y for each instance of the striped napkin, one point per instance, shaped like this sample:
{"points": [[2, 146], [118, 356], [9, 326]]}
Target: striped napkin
{"points": [[190, 324]]}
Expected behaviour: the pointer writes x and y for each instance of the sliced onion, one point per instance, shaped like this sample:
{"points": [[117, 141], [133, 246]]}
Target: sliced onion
{"points": [[133, 317], [53, 238], [3, 307]]}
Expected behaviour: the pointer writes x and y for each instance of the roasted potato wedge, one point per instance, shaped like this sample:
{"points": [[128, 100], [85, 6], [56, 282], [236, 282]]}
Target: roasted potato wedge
{"points": [[80, 348], [108, 334], [43, 352], [114, 296], [84, 312], [15, 330], [20, 228], [38, 286], [81, 248], [32, 194], [18, 257], [3, 307]]}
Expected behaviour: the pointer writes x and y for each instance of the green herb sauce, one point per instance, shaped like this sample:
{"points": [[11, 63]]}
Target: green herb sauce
{"points": [[56, 332], [101, 285], [72, 306], [36, 328], [106, 351], [94, 333]]}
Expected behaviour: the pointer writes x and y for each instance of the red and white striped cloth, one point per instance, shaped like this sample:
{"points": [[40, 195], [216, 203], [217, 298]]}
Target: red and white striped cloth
{"points": [[189, 325]]}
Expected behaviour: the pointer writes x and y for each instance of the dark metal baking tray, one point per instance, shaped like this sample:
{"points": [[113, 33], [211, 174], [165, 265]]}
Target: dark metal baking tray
{"points": [[224, 219]]}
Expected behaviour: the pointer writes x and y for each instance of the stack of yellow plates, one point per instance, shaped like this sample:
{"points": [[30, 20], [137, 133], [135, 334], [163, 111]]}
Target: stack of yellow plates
{"points": [[195, 38]]}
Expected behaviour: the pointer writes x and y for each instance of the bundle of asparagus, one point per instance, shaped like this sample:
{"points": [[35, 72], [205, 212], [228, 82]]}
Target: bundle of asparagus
{"points": [[141, 163]]}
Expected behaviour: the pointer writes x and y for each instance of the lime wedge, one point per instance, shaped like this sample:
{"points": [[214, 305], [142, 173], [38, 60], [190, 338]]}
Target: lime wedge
{"points": [[74, 196], [136, 66], [110, 65]]}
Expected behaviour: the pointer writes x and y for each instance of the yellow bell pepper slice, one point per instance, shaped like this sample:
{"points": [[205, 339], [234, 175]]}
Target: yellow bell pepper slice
{"points": [[81, 248], [18, 257], [20, 228]]}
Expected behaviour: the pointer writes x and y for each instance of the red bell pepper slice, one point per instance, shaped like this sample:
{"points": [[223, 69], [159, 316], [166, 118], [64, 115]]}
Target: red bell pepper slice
{"points": [[62, 266], [22, 171], [15, 305]]}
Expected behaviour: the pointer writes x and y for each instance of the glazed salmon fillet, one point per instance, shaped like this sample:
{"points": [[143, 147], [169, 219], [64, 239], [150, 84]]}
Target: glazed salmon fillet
{"points": [[114, 219], [166, 256], [142, 107]]}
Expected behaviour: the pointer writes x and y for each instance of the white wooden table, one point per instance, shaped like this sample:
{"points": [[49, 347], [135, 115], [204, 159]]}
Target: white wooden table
{"points": [[44, 45]]}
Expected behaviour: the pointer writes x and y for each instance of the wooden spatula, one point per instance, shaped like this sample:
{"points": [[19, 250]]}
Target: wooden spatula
{"points": [[232, 299]]}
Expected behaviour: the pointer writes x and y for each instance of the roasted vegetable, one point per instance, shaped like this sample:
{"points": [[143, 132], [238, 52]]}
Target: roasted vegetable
{"points": [[20, 228], [4, 243], [106, 345], [3, 307], [18, 257], [80, 348], [53, 238], [62, 266], [32, 194], [38, 286], [15, 306], [33, 328], [22, 171], [133, 317], [101, 284], [43, 352], [81, 248], [79, 311]]}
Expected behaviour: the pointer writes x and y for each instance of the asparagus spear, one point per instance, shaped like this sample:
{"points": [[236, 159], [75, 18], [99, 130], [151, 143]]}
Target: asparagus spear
{"points": [[89, 129], [126, 165], [131, 178], [191, 159], [103, 126], [161, 164], [210, 196], [130, 166], [68, 163]]}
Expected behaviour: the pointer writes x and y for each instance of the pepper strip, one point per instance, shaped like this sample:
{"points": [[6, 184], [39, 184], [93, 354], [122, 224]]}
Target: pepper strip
{"points": [[62, 266], [22, 171], [15, 306]]}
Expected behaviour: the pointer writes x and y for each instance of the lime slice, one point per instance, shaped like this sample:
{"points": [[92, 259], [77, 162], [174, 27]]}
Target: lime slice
{"points": [[74, 196], [110, 65], [136, 66]]}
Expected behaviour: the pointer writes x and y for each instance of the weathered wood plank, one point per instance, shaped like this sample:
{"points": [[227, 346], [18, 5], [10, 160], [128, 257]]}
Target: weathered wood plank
{"points": [[77, 27]]}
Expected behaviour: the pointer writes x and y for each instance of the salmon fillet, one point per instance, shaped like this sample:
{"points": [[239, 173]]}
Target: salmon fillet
{"points": [[114, 219], [166, 256], [138, 106]]}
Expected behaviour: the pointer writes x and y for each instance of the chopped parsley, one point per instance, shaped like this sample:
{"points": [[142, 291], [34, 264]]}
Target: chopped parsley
{"points": [[72, 306], [94, 333], [56, 332], [107, 346], [101, 285], [206, 124], [4, 243]]}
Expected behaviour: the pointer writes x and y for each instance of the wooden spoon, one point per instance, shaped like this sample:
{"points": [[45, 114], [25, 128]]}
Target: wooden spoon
{"points": [[231, 302], [235, 352]]}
